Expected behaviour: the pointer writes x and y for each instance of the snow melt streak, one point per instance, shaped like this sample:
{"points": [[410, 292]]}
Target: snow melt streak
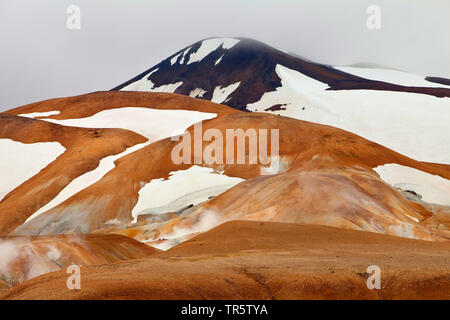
{"points": [[221, 94], [154, 124]]}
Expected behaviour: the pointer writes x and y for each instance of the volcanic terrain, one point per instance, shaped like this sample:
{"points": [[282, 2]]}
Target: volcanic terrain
{"points": [[350, 168]]}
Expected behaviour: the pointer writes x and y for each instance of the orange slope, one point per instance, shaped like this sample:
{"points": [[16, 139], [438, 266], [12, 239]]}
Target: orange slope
{"points": [[84, 149], [256, 260], [24, 258], [304, 146], [86, 105]]}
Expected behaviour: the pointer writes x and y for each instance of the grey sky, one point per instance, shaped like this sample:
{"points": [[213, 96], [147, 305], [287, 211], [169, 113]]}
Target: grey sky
{"points": [[41, 59]]}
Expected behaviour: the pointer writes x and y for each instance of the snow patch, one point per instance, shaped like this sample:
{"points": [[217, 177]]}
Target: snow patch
{"points": [[84, 181], [143, 84], [183, 188], [221, 94], [432, 188], [211, 45], [219, 60], [175, 58], [184, 55], [169, 88], [154, 124], [19, 161], [39, 114], [198, 92]]}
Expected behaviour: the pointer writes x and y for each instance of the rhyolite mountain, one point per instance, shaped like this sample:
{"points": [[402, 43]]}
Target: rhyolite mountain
{"points": [[352, 176], [116, 174]]}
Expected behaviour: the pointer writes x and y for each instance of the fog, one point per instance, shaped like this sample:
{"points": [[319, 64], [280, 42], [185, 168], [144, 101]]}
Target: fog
{"points": [[41, 58]]}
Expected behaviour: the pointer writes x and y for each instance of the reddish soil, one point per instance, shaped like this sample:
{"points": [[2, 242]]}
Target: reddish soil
{"points": [[261, 260]]}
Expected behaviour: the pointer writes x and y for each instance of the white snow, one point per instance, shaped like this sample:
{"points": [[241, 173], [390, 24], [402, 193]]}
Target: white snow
{"points": [[154, 124], [142, 84], [218, 60], [415, 125], [211, 45], [89, 178], [139, 85], [432, 188], [221, 94], [198, 92], [39, 114], [19, 161], [391, 76], [184, 187], [147, 85], [184, 55], [169, 88], [175, 58]]}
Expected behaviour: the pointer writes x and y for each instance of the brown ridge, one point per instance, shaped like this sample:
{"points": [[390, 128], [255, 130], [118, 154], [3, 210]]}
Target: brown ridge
{"points": [[256, 260], [86, 105]]}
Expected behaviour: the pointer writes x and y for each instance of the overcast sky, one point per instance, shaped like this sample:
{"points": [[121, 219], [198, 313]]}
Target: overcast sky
{"points": [[40, 58]]}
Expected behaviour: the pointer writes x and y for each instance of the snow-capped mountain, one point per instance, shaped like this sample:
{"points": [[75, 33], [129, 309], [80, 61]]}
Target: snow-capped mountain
{"points": [[100, 165], [383, 105]]}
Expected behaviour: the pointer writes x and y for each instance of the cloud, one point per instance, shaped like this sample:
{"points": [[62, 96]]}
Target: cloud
{"points": [[42, 59]]}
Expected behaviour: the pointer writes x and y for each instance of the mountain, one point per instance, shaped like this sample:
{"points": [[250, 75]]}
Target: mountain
{"points": [[382, 105], [313, 159], [46, 154], [222, 62], [281, 158], [92, 146]]}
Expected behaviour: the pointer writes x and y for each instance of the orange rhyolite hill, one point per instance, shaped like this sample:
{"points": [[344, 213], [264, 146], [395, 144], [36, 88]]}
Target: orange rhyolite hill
{"points": [[324, 206]]}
